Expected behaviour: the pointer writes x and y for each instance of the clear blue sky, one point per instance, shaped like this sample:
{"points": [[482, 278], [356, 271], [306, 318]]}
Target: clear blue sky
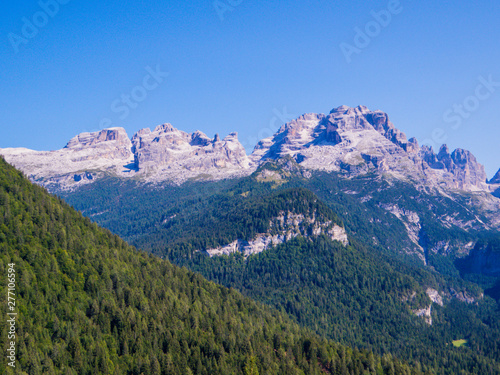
{"points": [[236, 69]]}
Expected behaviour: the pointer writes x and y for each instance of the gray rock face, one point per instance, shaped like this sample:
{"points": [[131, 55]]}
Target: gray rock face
{"points": [[106, 144], [348, 140], [466, 168], [345, 130], [357, 140], [460, 169], [166, 148], [282, 229], [85, 140], [164, 154], [84, 159], [412, 146]]}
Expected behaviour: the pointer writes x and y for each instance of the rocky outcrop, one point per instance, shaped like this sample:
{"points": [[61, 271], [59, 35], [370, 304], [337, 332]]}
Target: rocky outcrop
{"points": [[86, 140], [439, 299], [425, 313], [435, 296], [281, 229], [166, 151], [411, 221], [458, 170], [357, 140], [164, 154], [351, 139], [169, 154], [85, 158], [462, 296], [111, 144], [348, 140]]}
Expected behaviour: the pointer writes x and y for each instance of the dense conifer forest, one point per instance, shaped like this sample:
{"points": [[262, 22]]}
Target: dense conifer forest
{"points": [[88, 303], [361, 295]]}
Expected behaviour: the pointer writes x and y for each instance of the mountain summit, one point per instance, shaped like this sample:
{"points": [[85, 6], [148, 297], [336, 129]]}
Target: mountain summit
{"points": [[164, 154], [351, 141], [357, 140], [166, 150]]}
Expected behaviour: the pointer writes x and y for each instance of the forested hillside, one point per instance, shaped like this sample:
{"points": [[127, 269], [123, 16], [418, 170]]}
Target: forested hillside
{"points": [[347, 294], [150, 216], [88, 303], [360, 295], [350, 294]]}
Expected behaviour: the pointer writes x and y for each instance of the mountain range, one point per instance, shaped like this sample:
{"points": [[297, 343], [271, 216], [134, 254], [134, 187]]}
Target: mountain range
{"points": [[349, 142], [87, 303], [337, 220], [352, 141]]}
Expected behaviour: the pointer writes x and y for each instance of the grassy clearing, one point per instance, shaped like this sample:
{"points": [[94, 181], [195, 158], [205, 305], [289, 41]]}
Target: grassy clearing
{"points": [[459, 343]]}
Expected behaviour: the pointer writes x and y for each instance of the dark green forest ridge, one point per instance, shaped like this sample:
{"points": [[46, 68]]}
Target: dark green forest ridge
{"points": [[359, 295], [88, 303]]}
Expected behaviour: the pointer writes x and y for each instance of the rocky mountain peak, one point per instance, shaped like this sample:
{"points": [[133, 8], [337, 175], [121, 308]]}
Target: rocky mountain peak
{"points": [[459, 168], [142, 132], [444, 152], [344, 126], [165, 128], [462, 157], [357, 140], [412, 145], [83, 158], [348, 140], [496, 178], [111, 144], [341, 109], [426, 154], [444, 158], [85, 140], [346, 110], [286, 226], [231, 137], [199, 138], [167, 150]]}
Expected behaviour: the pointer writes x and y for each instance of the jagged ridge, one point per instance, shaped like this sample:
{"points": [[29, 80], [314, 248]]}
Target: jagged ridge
{"points": [[347, 140]]}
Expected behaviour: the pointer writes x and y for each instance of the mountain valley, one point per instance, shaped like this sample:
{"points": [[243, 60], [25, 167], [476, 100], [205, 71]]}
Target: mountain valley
{"points": [[337, 221]]}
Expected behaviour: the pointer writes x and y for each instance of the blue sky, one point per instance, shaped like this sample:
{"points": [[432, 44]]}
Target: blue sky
{"points": [[434, 67]]}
